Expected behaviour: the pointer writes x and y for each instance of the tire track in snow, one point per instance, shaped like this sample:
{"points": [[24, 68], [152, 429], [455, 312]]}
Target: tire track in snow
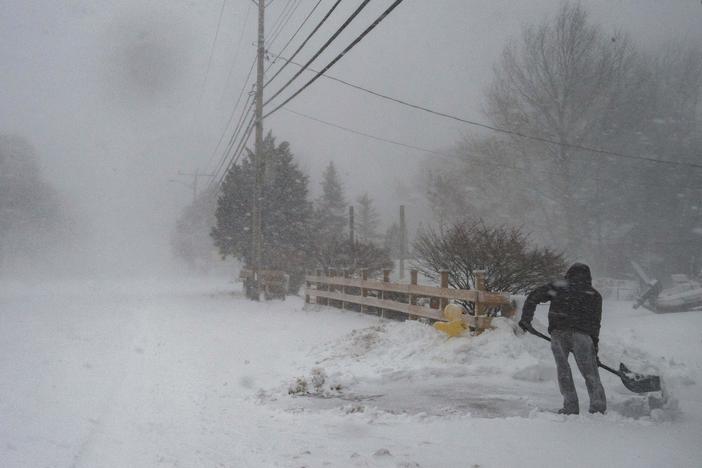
{"points": [[108, 407]]}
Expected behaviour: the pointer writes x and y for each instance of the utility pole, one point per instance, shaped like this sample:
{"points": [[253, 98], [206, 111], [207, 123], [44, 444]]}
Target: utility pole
{"points": [[195, 175], [256, 231]]}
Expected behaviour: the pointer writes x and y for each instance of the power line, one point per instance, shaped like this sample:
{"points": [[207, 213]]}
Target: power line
{"points": [[196, 177], [276, 33], [238, 49], [454, 156], [401, 144], [242, 145], [246, 108], [299, 28], [493, 128], [228, 154], [367, 135], [235, 134], [322, 49], [337, 58], [237, 154], [243, 88], [281, 17], [236, 105], [309, 36], [212, 49], [282, 14]]}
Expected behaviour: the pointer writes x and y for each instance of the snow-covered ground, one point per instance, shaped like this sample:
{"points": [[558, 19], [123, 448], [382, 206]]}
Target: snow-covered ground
{"points": [[145, 373]]}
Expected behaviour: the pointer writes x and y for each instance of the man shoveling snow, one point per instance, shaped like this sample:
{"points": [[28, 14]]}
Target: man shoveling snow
{"points": [[574, 319]]}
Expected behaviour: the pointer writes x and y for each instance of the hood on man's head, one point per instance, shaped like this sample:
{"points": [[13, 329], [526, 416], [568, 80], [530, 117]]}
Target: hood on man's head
{"points": [[579, 273]]}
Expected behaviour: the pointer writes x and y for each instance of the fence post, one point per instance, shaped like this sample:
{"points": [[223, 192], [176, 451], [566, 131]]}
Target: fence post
{"points": [[480, 280], [307, 287], [330, 286], [364, 291], [318, 274], [480, 286], [444, 285], [346, 275], [386, 279], [411, 298], [479, 308]]}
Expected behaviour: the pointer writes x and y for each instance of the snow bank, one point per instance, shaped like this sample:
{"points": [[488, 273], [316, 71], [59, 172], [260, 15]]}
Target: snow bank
{"points": [[415, 350], [411, 368]]}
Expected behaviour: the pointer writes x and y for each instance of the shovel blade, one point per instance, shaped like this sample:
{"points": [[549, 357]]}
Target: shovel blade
{"points": [[639, 383]]}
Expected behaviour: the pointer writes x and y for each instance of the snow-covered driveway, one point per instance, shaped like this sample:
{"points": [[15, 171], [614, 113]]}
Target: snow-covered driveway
{"points": [[145, 373]]}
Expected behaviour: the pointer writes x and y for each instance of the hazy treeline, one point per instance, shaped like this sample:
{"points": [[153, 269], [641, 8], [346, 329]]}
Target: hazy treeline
{"points": [[33, 218], [298, 233], [566, 83], [570, 81]]}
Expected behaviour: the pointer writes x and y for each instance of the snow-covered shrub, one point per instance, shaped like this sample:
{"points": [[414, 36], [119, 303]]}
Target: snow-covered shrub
{"points": [[504, 253], [317, 378], [298, 387], [316, 384]]}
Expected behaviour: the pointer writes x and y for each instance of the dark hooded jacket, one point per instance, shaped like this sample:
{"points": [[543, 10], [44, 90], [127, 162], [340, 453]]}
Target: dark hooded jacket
{"points": [[575, 304]]}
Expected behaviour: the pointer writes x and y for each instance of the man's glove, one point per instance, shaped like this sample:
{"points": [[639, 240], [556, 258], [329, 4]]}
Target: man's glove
{"points": [[524, 325]]}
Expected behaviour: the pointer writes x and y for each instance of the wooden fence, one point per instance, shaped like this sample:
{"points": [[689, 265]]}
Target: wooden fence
{"points": [[386, 298]]}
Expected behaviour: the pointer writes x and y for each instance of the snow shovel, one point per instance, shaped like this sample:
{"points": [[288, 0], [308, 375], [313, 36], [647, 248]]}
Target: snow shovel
{"points": [[637, 383]]}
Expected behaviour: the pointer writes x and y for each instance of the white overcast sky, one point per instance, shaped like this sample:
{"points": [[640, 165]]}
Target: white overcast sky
{"points": [[111, 93]]}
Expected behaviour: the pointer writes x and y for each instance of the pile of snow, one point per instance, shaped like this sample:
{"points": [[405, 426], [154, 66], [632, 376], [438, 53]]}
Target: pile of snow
{"points": [[411, 368], [415, 350]]}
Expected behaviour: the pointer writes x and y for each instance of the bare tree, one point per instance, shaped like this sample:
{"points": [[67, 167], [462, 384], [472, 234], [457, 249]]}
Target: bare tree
{"points": [[367, 220], [510, 262], [569, 82], [557, 83], [668, 208], [486, 180]]}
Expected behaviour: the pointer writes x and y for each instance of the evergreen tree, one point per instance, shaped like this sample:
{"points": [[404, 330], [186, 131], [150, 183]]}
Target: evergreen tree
{"points": [[393, 240], [285, 212], [338, 254], [329, 227], [331, 206], [332, 247], [367, 220]]}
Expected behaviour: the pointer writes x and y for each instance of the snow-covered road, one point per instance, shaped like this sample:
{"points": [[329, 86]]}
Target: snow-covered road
{"points": [[146, 373]]}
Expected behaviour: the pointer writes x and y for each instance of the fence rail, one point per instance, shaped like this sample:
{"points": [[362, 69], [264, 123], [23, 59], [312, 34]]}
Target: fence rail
{"points": [[383, 296]]}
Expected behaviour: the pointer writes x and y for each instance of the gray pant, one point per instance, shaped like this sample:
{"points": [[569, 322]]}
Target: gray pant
{"points": [[562, 344]]}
